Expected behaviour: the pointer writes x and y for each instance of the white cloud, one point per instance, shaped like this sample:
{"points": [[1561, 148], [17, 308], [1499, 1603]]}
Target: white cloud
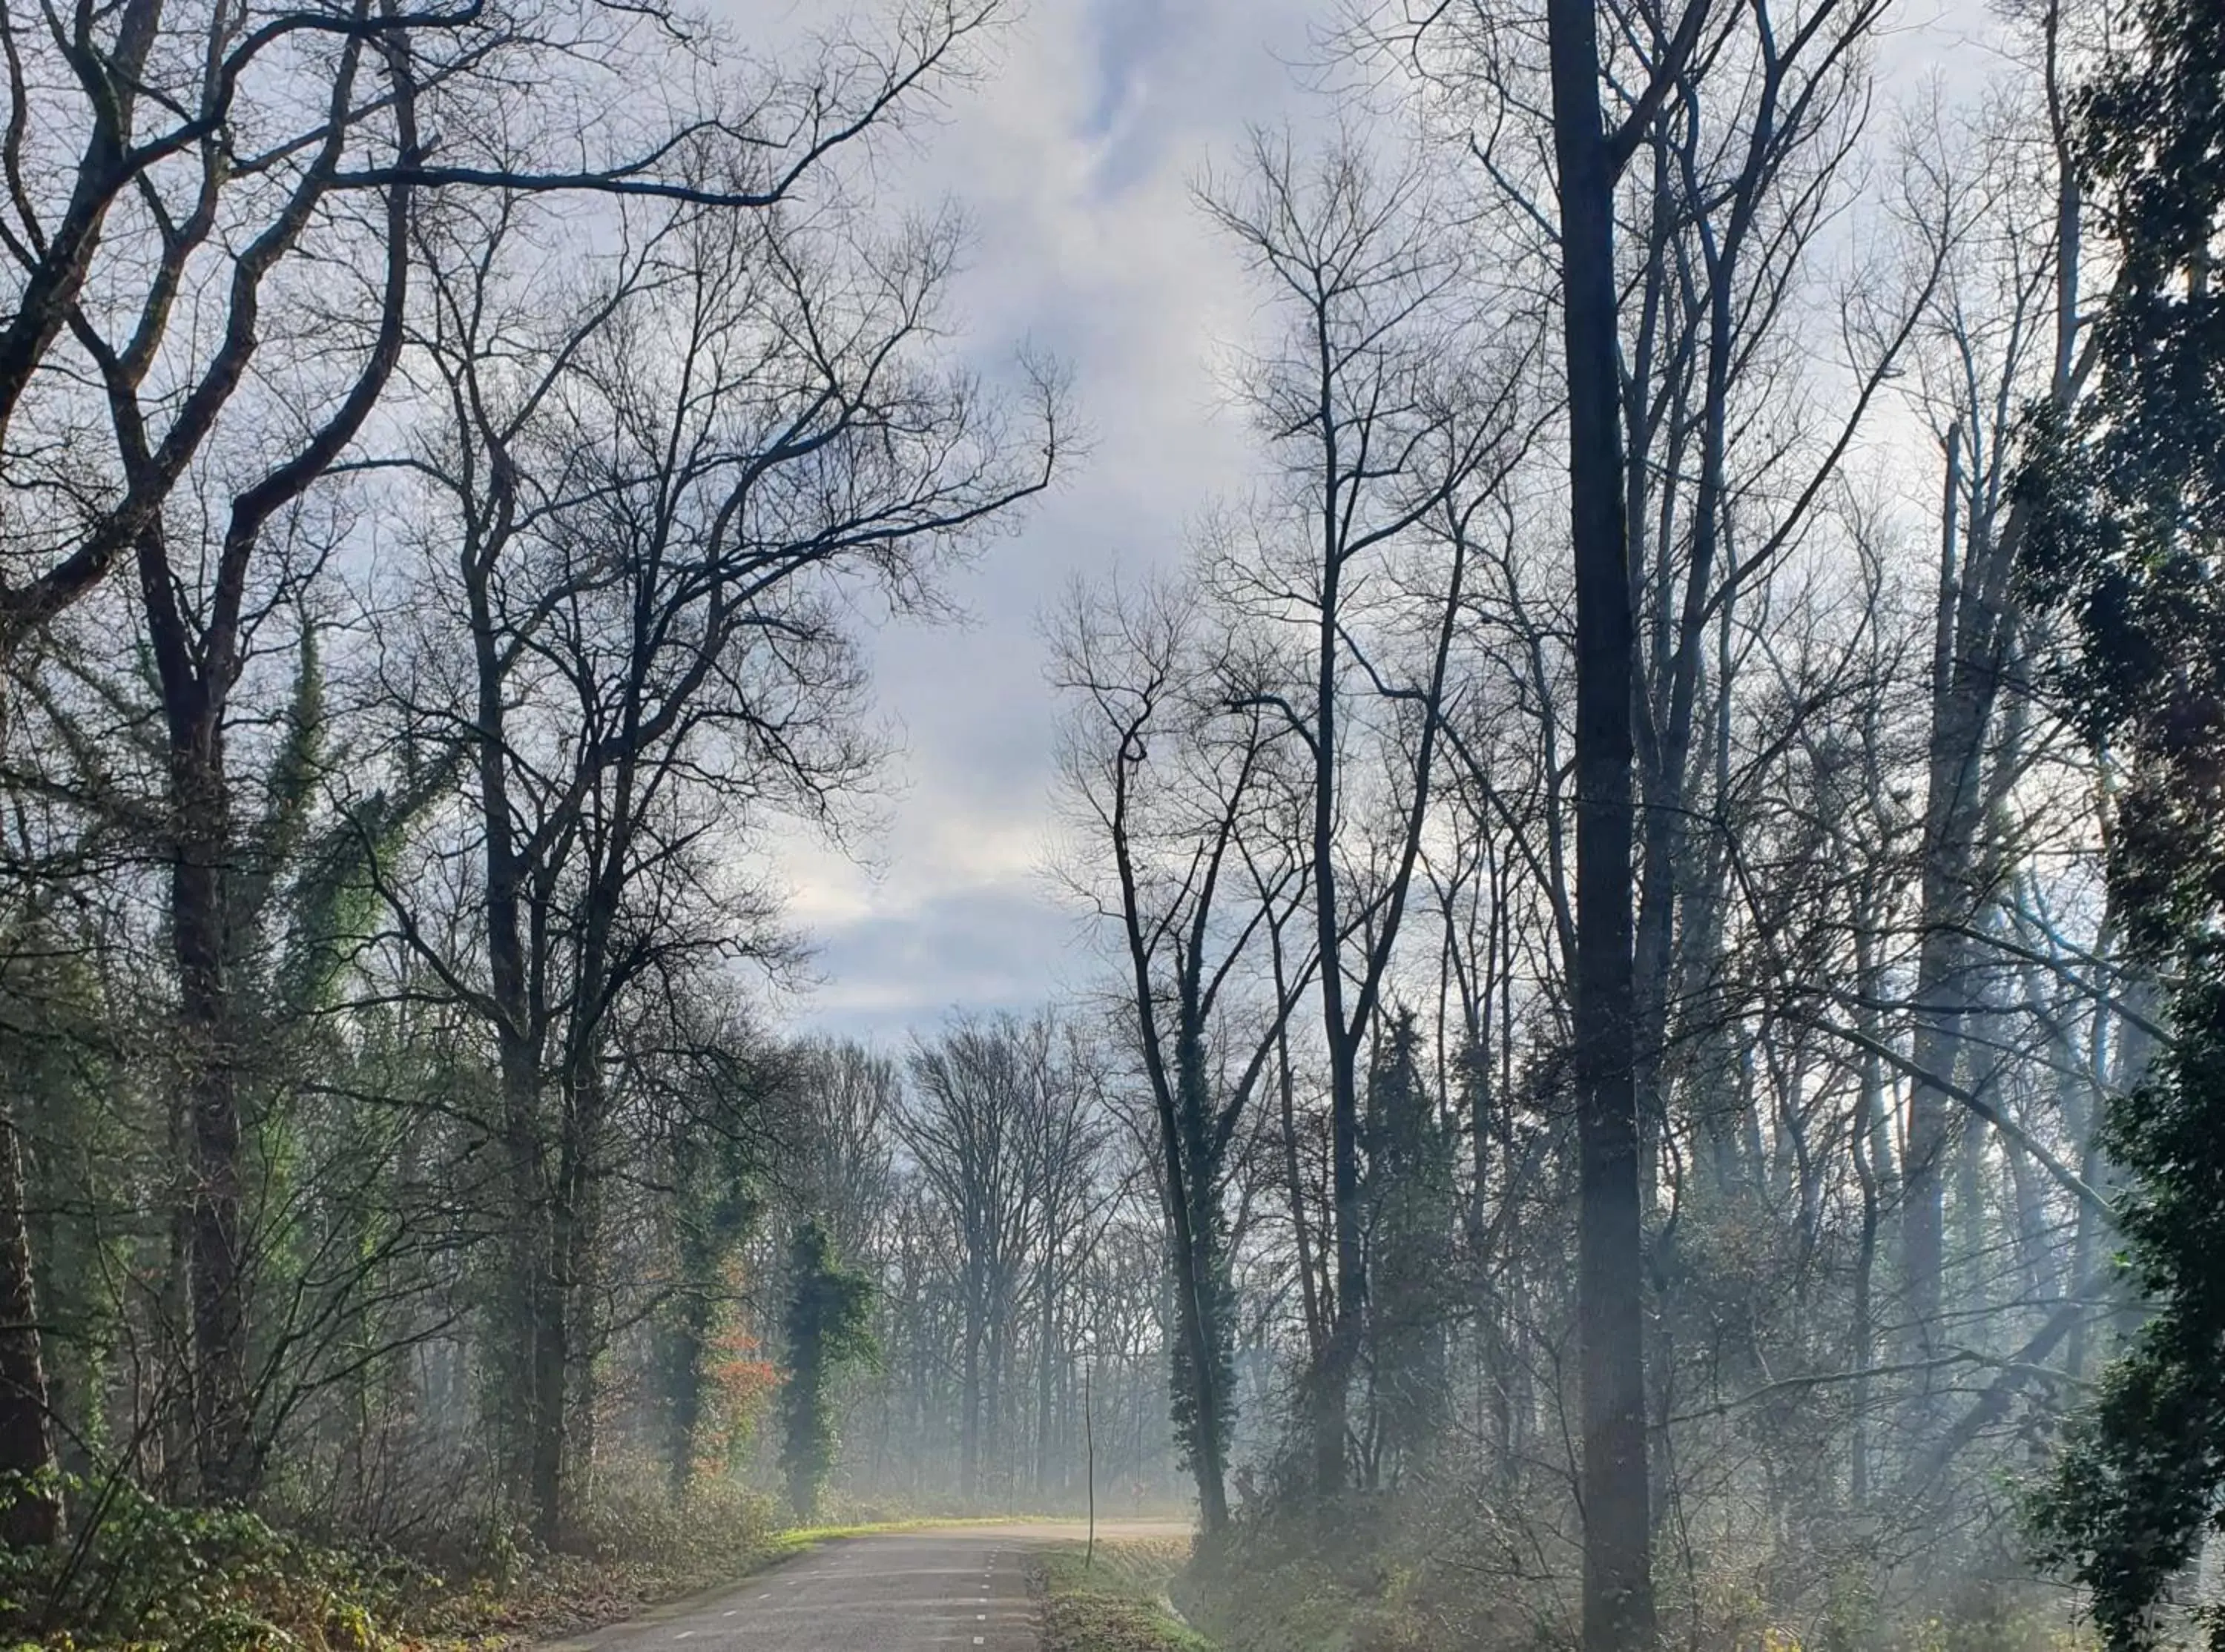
{"points": [[1073, 164]]}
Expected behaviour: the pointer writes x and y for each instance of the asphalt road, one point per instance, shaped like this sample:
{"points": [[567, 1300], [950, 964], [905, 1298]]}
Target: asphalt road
{"points": [[957, 1587]]}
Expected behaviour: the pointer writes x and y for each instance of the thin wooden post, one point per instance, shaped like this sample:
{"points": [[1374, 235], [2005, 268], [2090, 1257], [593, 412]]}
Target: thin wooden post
{"points": [[1089, 1457]]}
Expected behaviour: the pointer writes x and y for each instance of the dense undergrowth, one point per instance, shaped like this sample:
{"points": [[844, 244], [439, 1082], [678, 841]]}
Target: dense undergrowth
{"points": [[141, 1574], [1112, 1600], [1414, 1572]]}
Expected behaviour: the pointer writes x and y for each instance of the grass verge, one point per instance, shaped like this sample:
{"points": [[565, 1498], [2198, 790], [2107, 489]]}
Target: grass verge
{"points": [[1116, 1602]]}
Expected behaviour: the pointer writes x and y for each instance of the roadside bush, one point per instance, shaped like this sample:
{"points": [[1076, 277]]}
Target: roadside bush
{"points": [[140, 1571]]}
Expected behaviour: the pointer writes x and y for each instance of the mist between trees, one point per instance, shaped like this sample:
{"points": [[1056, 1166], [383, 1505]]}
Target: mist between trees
{"points": [[1653, 865]]}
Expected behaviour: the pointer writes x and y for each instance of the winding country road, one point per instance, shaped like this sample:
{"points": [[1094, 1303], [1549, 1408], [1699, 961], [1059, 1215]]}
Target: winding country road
{"points": [[953, 1587]]}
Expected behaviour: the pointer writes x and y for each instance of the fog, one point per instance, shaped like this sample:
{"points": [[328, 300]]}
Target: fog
{"points": [[1432, 786]]}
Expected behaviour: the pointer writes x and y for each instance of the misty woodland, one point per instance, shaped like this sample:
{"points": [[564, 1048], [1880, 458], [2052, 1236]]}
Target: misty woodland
{"points": [[1642, 1062]]}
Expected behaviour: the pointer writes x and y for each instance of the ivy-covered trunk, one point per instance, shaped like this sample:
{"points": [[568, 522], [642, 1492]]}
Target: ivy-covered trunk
{"points": [[195, 674]]}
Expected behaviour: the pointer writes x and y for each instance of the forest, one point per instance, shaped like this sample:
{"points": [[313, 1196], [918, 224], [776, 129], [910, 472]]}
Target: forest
{"points": [[1643, 1060]]}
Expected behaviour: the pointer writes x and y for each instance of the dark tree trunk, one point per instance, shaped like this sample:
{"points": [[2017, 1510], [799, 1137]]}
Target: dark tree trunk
{"points": [[1871, 1150], [193, 684], [994, 1398], [27, 1444], [1198, 1296], [1332, 1374], [524, 1355], [564, 1400], [1967, 635], [209, 1092], [1618, 1591], [525, 1246], [690, 1340], [969, 1396], [1046, 1379], [545, 1447], [29, 1520]]}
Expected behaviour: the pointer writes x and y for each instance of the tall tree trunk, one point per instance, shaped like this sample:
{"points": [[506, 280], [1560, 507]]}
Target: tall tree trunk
{"points": [[27, 1443], [30, 1519], [546, 1414], [209, 1094], [513, 982], [206, 1097], [1301, 1227], [563, 1396], [691, 1339], [969, 1394], [1183, 1105], [1871, 1152], [525, 1249], [1617, 1588], [1961, 714], [2093, 1167], [1046, 1374], [1332, 1373], [1200, 1303], [994, 1396]]}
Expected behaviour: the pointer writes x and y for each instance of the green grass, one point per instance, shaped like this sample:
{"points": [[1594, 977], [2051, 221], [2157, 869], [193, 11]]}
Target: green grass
{"points": [[1115, 1604], [802, 1540]]}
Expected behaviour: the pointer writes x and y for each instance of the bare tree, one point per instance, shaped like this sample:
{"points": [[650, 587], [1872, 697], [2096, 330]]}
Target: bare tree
{"points": [[980, 1092], [1383, 457], [1183, 790], [851, 1098], [642, 533]]}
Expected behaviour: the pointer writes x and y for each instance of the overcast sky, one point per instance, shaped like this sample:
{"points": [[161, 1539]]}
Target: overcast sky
{"points": [[1073, 164]]}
